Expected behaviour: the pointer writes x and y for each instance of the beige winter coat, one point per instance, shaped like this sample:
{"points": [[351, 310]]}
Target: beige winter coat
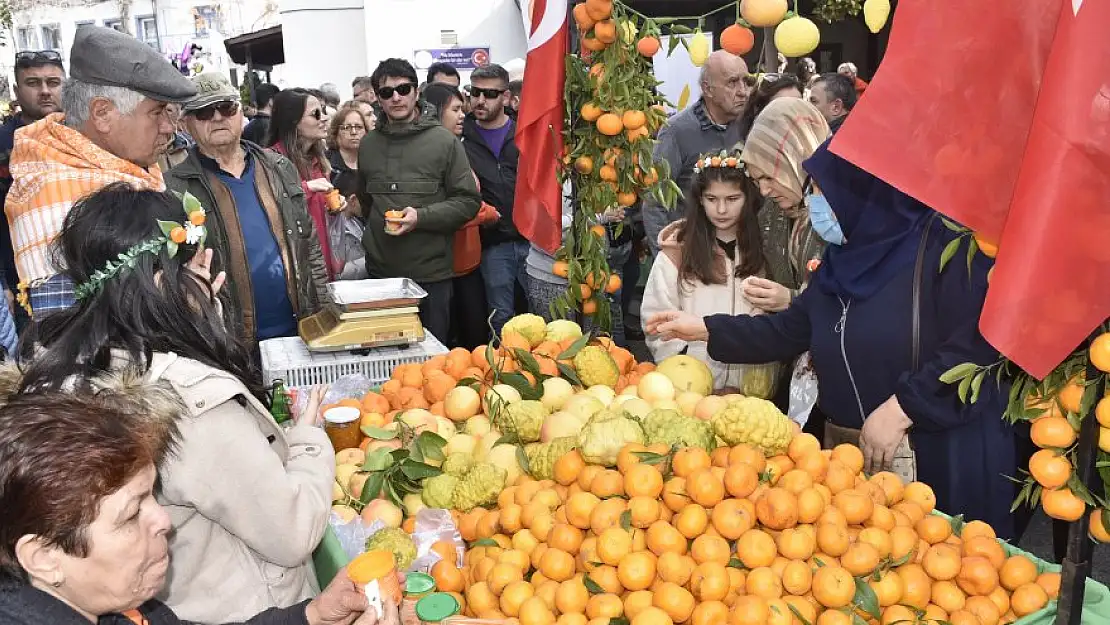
{"points": [[664, 292], [249, 502]]}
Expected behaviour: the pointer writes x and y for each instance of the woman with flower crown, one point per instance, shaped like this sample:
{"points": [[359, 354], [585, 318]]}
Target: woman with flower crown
{"points": [[249, 502]]}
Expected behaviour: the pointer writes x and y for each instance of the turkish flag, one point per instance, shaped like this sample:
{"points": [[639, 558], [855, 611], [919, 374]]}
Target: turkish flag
{"points": [[538, 206], [1000, 119]]}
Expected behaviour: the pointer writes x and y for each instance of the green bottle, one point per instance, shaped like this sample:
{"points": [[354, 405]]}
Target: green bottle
{"points": [[279, 403]]}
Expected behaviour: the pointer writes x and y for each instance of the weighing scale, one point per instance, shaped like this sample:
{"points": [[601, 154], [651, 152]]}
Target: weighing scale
{"points": [[366, 314]]}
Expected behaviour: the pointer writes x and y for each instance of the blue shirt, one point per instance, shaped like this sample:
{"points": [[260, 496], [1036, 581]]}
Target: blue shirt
{"points": [[495, 138], [272, 309]]}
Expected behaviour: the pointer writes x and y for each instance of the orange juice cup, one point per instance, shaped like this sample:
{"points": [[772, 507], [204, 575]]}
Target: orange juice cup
{"points": [[334, 200], [375, 574]]}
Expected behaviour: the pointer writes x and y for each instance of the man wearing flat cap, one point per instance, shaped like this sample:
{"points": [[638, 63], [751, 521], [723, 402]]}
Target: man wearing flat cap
{"points": [[258, 220], [112, 128]]}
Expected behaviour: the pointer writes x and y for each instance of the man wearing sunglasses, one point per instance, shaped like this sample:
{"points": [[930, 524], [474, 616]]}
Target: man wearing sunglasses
{"points": [[415, 169], [258, 221], [113, 128], [488, 136], [38, 90]]}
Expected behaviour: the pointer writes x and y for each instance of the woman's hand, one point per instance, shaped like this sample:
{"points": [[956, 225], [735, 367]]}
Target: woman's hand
{"points": [[341, 604], [201, 267], [882, 432], [674, 324], [392, 615], [766, 294], [310, 414], [319, 185]]}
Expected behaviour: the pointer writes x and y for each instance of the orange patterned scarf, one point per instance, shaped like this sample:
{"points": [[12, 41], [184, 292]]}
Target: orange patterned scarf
{"points": [[53, 166]]}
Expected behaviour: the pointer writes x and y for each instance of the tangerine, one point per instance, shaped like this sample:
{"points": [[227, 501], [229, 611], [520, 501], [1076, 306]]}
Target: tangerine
{"points": [[833, 587]]}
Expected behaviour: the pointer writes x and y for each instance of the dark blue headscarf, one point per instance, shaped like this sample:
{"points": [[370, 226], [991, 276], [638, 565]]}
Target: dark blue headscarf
{"points": [[882, 227]]}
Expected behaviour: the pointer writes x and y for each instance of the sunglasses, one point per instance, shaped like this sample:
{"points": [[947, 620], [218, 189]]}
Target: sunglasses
{"points": [[226, 109], [40, 56], [404, 89], [317, 114], [489, 93]]}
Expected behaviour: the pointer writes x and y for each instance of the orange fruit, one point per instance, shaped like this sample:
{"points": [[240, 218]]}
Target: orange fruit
{"points": [[777, 509], [796, 544], [810, 505], [613, 544], [690, 459], [710, 548], [644, 511], [756, 548], [741, 479], [839, 477], [750, 610], [479, 598], [860, 559], [903, 542], [916, 586], [662, 538], [744, 453], [535, 611], [675, 568], [514, 596], [977, 576], [609, 124], [763, 582], [898, 614], [942, 562], [1062, 504], [971, 529], [878, 538], [448, 577], [579, 506], [802, 445], [1051, 470], [636, 571], [636, 602], [1027, 599], [891, 484], [984, 609], [607, 514], [1050, 582], [985, 547], [933, 529], [709, 613], [1001, 599], [1100, 352], [651, 616], [833, 539], [705, 488], [732, 517], [675, 600], [850, 456], [797, 578], [833, 587], [963, 617], [691, 521], [855, 505], [607, 578], [1052, 431], [564, 537], [948, 596], [921, 494], [606, 605], [501, 575], [675, 496], [1071, 396], [888, 588], [710, 582], [571, 596], [568, 467], [1096, 529], [643, 480]]}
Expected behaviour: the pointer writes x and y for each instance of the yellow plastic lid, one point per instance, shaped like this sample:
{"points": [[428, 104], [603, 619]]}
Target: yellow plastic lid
{"points": [[370, 566]]}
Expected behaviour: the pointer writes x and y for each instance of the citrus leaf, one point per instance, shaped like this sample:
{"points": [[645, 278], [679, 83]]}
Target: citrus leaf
{"points": [[798, 615], [575, 347], [485, 542], [965, 386], [378, 460], [522, 458], [568, 372], [953, 226], [431, 445], [379, 434], [626, 520], [958, 372], [866, 599], [972, 249], [592, 586], [976, 385], [372, 488], [650, 457], [948, 253], [735, 563], [418, 471]]}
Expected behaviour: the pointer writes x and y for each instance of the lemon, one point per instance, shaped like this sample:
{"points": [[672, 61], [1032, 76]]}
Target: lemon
{"points": [[699, 49], [797, 36], [875, 14]]}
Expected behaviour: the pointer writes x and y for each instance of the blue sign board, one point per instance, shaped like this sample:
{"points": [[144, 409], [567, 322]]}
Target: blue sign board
{"points": [[459, 58]]}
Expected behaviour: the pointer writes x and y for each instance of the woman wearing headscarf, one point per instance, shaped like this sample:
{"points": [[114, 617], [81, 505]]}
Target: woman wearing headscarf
{"points": [[882, 324]]}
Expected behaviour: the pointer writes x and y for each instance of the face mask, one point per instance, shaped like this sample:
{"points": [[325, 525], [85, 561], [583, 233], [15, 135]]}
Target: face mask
{"points": [[823, 221]]}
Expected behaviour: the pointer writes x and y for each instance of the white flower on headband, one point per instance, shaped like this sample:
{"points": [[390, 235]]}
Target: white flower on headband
{"points": [[194, 234]]}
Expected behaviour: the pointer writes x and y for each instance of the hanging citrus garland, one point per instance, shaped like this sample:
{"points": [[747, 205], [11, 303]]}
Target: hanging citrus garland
{"points": [[1055, 408], [613, 112]]}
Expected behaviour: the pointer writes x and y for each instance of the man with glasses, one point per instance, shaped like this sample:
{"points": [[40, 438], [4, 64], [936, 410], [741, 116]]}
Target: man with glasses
{"points": [[113, 128], [488, 136], [38, 90], [416, 170], [258, 222]]}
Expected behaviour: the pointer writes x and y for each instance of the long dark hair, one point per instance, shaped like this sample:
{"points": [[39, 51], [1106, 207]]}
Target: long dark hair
{"points": [[440, 95], [133, 311], [286, 114], [762, 94], [698, 236]]}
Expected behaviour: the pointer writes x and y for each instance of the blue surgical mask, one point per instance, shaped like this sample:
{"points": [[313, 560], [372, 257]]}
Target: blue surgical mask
{"points": [[823, 220]]}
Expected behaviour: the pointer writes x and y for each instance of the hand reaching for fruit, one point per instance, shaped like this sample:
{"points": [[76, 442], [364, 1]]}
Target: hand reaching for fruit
{"points": [[674, 324], [401, 222], [311, 412]]}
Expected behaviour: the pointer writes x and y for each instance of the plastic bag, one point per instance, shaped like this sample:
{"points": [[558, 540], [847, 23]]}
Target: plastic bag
{"points": [[354, 386], [352, 535], [348, 256], [433, 525], [803, 390]]}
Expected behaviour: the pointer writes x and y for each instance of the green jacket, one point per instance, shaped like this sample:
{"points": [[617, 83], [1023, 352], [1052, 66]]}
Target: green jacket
{"points": [[282, 198], [422, 165]]}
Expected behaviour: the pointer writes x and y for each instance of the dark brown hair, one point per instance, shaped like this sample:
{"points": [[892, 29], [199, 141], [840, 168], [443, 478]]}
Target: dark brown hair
{"points": [[700, 260], [337, 121], [288, 110], [60, 455]]}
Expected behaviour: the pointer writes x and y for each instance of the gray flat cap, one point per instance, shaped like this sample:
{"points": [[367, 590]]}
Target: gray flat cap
{"points": [[103, 56]]}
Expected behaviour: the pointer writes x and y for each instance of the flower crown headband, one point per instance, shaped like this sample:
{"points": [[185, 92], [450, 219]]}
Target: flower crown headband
{"points": [[174, 234], [721, 159]]}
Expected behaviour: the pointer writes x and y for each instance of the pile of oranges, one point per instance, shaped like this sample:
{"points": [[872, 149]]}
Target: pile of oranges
{"points": [[731, 537]]}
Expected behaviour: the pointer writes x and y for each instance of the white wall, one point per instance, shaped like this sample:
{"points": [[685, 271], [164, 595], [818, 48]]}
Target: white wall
{"points": [[325, 41]]}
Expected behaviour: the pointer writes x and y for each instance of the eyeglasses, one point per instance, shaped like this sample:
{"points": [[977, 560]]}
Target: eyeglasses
{"points": [[226, 109], [317, 114], [352, 128], [28, 57], [404, 89], [489, 93]]}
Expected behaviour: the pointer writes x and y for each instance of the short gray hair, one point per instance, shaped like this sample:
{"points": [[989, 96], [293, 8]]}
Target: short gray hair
{"points": [[77, 96]]}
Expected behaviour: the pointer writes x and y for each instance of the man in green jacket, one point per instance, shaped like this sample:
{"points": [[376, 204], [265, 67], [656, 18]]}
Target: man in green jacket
{"points": [[417, 171], [258, 223]]}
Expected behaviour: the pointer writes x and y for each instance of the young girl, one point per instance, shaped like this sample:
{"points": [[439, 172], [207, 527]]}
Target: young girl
{"points": [[703, 261]]}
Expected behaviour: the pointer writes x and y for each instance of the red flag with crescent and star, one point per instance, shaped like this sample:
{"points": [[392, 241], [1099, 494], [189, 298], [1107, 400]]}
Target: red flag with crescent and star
{"points": [[537, 208], [998, 116]]}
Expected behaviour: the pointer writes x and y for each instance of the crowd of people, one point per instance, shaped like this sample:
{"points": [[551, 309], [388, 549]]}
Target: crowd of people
{"points": [[156, 236]]}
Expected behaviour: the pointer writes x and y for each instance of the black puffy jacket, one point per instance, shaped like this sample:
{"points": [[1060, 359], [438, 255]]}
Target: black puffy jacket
{"points": [[497, 178]]}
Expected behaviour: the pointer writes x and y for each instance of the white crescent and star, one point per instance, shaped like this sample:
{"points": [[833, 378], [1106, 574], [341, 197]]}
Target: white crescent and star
{"points": [[550, 24]]}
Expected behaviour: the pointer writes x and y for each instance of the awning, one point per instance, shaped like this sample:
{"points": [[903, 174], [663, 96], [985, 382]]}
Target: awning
{"points": [[260, 48]]}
